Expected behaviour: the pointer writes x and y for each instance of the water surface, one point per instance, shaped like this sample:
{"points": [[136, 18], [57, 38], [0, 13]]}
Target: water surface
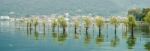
{"points": [[16, 37]]}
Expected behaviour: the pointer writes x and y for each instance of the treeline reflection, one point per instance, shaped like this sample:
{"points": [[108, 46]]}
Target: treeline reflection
{"points": [[100, 38]]}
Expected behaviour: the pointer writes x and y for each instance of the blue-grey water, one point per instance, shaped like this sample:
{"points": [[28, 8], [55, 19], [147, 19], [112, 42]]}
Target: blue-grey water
{"points": [[74, 7], [16, 37]]}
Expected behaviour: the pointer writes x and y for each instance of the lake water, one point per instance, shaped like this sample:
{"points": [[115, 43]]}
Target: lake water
{"points": [[15, 37]]}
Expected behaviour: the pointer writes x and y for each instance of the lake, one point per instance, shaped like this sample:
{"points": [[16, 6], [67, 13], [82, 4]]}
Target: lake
{"points": [[17, 37]]}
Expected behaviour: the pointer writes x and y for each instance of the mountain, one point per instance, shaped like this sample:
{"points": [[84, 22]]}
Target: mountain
{"points": [[74, 7]]}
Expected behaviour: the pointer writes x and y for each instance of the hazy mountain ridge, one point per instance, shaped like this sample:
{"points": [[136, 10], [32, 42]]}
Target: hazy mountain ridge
{"points": [[74, 7]]}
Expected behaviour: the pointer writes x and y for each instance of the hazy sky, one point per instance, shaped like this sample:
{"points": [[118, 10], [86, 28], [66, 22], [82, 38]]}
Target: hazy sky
{"points": [[74, 7]]}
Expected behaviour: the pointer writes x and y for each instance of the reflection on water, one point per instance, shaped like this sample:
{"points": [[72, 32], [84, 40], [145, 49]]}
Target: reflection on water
{"points": [[87, 38], [76, 36], [125, 35], [36, 35], [145, 28], [54, 35], [62, 38], [114, 41], [131, 42], [147, 46], [107, 40], [99, 39], [44, 32]]}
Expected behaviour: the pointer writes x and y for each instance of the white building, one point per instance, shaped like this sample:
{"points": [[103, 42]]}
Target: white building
{"points": [[4, 18]]}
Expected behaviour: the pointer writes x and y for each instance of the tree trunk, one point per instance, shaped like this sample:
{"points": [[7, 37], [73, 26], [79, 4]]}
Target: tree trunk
{"points": [[44, 26], [99, 31], [75, 30], [58, 28], [115, 30], [27, 28], [27, 25], [132, 32], [35, 27], [64, 30], [53, 29], [149, 29], [126, 29], [44, 30], [86, 30], [30, 28], [93, 29]]}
